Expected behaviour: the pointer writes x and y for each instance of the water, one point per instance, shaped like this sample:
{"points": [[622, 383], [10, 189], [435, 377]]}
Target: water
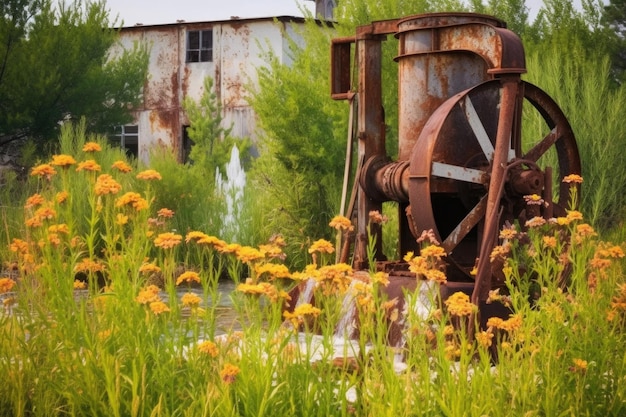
{"points": [[232, 189]]}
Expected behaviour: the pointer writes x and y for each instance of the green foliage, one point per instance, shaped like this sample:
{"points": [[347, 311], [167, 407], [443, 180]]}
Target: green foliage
{"points": [[212, 141], [56, 65], [585, 92]]}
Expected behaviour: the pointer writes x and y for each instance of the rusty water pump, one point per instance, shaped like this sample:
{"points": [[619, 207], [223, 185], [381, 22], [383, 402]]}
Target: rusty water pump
{"points": [[462, 168]]}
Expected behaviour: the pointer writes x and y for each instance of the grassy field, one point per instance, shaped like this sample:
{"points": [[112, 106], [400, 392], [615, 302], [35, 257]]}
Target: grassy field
{"points": [[108, 311]]}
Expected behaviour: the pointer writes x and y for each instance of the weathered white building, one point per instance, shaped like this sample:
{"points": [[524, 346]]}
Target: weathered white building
{"points": [[182, 55]]}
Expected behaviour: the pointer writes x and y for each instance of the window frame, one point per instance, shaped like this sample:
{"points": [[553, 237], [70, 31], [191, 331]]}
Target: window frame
{"points": [[199, 47]]}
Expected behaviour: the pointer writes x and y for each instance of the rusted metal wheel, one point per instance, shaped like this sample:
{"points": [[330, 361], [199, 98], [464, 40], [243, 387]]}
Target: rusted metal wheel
{"points": [[453, 178]]}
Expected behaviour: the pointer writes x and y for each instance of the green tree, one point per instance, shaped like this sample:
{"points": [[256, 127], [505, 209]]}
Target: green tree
{"points": [[212, 142], [55, 65], [615, 19]]}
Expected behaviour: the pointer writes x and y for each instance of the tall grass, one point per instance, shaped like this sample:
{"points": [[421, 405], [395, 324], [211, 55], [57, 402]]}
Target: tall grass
{"points": [[103, 318]]}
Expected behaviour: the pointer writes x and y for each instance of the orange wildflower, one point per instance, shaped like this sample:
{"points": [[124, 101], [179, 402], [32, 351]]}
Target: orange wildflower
{"points": [[121, 166], [106, 184], [322, 246], [148, 295], [167, 240], [188, 277], [341, 223], [484, 338], [88, 165], [164, 212], [209, 348], [79, 285], [34, 200], [43, 170], [20, 246], [92, 147], [573, 178], [62, 160], [121, 219], [132, 199], [59, 228], [149, 268], [45, 213], [376, 217], [61, 196], [87, 265], [159, 307], [229, 373], [6, 285], [149, 174]]}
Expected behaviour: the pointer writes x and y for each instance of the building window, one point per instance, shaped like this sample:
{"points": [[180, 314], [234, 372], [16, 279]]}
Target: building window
{"points": [[200, 46], [127, 137]]}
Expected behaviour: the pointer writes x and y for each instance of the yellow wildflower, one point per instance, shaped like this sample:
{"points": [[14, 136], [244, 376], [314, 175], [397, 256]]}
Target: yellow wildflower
{"points": [[121, 166], [92, 147], [159, 307], [88, 165], [322, 246], [573, 178], [149, 268], [79, 285], [191, 300], [275, 271], [229, 248], [195, 235], [121, 219], [508, 233], [247, 254], [580, 365], [533, 199], [341, 223], [149, 174], [574, 215], [433, 251], [62, 160], [459, 304], [299, 314], [381, 278], [484, 338], [188, 277], [209, 348], [229, 373], [43, 170], [148, 295], [334, 279], [513, 323]]}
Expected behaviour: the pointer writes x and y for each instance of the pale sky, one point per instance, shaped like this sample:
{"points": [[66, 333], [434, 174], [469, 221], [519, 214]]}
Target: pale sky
{"points": [[168, 11]]}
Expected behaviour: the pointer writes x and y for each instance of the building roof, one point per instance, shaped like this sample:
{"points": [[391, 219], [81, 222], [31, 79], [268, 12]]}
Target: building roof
{"points": [[233, 19]]}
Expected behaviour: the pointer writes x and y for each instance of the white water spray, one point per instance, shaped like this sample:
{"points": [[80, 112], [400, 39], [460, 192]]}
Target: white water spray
{"points": [[232, 189]]}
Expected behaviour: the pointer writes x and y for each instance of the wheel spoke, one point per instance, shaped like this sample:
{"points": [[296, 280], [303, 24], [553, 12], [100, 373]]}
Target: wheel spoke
{"points": [[466, 225], [477, 127], [440, 169], [543, 146]]}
